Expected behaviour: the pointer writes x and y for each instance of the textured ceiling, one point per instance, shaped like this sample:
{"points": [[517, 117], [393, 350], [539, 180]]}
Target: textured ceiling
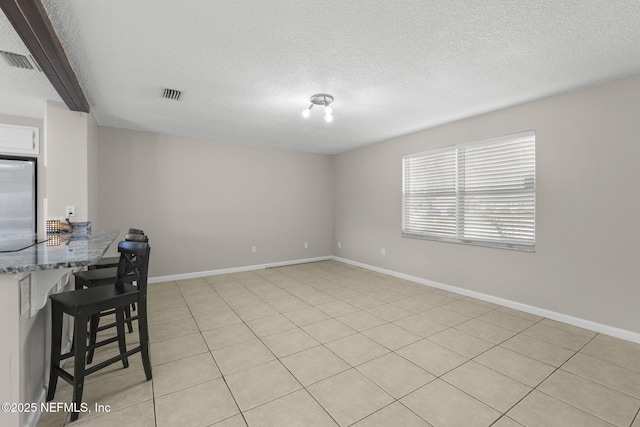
{"points": [[22, 92], [247, 68]]}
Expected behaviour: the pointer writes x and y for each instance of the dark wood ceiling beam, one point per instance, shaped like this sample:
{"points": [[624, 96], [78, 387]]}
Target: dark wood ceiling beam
{"points": [[30, 20]]}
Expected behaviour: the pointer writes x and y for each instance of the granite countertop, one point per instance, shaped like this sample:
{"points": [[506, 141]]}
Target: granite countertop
{"points": [[59, 251]]}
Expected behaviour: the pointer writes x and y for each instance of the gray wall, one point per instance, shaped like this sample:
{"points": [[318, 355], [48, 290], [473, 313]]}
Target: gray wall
{"points": [[70, 168], [587, 212], [206, 203]]}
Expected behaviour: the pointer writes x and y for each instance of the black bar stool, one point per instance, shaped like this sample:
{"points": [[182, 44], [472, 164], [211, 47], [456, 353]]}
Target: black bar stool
{"points": [[106, 276], [112, 261], [103, 276], [83, 303]]}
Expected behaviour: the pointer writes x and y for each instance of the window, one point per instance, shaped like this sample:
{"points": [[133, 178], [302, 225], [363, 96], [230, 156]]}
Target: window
{"points": [[481, 193]]}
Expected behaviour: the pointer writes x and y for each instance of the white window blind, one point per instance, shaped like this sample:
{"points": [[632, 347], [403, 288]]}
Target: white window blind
{"points": [[480, 193]]}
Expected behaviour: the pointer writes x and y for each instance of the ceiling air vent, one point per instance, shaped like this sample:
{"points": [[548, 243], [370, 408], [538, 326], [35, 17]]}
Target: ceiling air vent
{"points": [[171, 94], [18, 61]]}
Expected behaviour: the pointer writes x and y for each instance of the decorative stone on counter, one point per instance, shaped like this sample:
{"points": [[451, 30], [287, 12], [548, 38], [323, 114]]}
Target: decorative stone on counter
{"points": [[59, 251]]}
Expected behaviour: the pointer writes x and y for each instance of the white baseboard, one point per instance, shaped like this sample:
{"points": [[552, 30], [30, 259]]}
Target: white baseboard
{"points": [[560, 317], [298, 261], [575, 321], [234, 269]]}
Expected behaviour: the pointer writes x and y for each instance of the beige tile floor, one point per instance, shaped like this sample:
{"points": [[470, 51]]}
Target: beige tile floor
{"points": [[325, 344]]}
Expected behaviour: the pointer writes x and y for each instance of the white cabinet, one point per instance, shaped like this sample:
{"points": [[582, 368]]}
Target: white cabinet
{"points": [[19, 139]]}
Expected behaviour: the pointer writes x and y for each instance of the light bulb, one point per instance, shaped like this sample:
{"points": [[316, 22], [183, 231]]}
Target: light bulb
{"points": [[328, 110], [306, 112], [328, 118]]}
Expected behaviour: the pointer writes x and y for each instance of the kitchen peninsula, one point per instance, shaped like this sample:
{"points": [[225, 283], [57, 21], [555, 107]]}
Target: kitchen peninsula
{"points": [[27, 278]]}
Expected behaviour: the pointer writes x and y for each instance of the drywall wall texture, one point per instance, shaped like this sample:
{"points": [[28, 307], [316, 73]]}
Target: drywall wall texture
{"points": [[68, 139], [587, 207], [204, 204]]}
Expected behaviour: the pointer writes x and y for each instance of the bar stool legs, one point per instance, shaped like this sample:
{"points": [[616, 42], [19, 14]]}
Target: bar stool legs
{"points": [[80, 333], [85, 305], [80, 351], [56, 348], [144, 337]]}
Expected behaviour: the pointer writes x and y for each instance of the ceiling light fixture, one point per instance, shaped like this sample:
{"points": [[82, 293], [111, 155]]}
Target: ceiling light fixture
{"points": [[320, 99]]}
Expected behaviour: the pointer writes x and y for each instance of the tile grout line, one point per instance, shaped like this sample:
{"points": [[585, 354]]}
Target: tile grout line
{"points": [[222, 376], [394, 399], [279, 361], [568, 403], [504, 414], [303, 387], [636, 418], [291, 373], [333, 375], [392, 351]]}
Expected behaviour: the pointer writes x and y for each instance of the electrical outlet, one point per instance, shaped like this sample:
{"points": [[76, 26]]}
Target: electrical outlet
{"points": [[306, 245], [383, 251], [254, 249], [339, 245], [71, 211]]}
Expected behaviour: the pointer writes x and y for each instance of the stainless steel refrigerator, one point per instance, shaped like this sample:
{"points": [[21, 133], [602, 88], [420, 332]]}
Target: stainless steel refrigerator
{"points": [[17, 199]]}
